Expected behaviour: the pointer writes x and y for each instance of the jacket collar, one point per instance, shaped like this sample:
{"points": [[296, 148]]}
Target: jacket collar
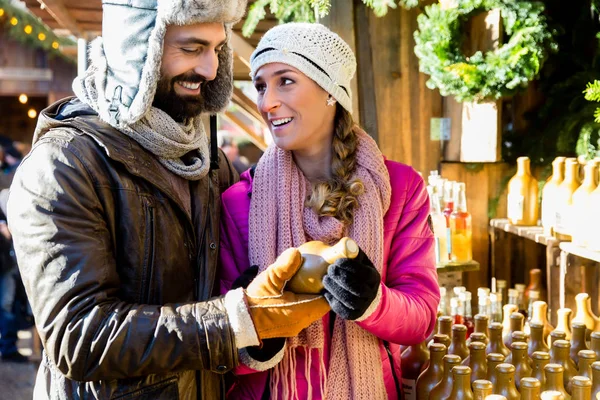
{"points": [[115, 144]]}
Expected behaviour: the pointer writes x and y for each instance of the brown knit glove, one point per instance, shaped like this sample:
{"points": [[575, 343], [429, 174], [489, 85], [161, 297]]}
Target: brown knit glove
{"points": [[279, 313]]}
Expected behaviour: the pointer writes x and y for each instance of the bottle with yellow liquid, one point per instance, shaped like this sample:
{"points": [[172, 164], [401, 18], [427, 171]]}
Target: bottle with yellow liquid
{"points": [[564, 200], [549, 195], [581, 206], [523, 207], [460, 227]]}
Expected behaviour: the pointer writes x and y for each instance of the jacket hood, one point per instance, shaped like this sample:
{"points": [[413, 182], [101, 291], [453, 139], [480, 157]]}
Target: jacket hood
{"points": [[125, 61]]}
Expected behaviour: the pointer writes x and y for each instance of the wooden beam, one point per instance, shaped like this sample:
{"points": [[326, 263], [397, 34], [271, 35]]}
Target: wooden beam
{"points": [[247, 105], [61, 14], [253, 136], [242, 49]]}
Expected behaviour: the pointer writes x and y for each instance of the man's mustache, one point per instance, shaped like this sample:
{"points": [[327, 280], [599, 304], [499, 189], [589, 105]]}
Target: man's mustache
{"points": [[192, 78]]}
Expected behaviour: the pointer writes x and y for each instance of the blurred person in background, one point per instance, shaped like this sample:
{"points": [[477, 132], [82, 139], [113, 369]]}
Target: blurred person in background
{"points": [[232, 151]]}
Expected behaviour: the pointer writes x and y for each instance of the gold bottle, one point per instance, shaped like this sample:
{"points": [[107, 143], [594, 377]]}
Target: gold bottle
{"points": [[516, 324], [496, 345], [507, 311], [540, 359], [595, 344], [442, 390], [540, 314], [554, 379], [536, 342], [517, 336], [564, 199], [559, 354], [505, 385], [459, 341], [476, 361], [445, 325], [481, 325], [578, 341], [557, 335], [552, 395], [586, 359], [461, 387], [596, 379], [582, 388], [584, 312], [434, 373], [530, 389], [493, 360], [549, 195], [520, 360], [581, 207], [564, 322], [442, 339], [523, 207], [481, 389]]}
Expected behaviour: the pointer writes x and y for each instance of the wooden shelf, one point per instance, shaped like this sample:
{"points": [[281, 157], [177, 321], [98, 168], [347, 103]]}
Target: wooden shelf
{"points": [[535, 233], [458, 267], [578, 251]]}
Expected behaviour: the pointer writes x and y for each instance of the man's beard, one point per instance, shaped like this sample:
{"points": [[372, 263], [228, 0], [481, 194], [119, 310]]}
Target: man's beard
{"points": [[179, 107]]}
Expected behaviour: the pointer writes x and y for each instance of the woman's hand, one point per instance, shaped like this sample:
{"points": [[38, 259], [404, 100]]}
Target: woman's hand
{"points": [[351, 285]]}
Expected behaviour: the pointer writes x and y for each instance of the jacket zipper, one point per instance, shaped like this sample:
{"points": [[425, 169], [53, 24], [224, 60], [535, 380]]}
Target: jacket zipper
{"points": [[148, 253], [201, 247], [396, 383]]}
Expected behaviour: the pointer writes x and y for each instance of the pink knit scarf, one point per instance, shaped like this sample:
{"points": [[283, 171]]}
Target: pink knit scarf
{"points": [[279, 220]]}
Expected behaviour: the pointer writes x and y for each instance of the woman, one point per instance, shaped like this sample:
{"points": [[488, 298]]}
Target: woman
{"points": [[323, 179]]}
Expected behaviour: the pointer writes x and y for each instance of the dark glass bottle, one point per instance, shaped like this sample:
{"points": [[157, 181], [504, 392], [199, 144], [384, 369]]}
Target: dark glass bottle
{"points": [[559, 354], [520, 362], [595, 379], [595, 344], [434, 372], [493, 360], [413, 361], [586, 359], [443, 389], [481, 389], [516, 324], [476, 361], [442, 339]]}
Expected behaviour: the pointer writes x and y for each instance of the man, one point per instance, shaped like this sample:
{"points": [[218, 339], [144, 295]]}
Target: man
{"points": [[115, 218]]}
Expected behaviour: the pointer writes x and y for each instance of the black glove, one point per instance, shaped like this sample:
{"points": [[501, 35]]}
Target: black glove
{"points": [[270, 347], [351, 285]]}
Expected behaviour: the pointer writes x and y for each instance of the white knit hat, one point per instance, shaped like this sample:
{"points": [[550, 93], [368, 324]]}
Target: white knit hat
{"points": [[313, 49]]}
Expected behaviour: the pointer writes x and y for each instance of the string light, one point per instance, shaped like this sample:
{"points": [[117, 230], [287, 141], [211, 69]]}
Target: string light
{"points": [[14, 21], [23, 98], [28, 29], [32, 113], [1, 12], [55, 45], [42, 36]]}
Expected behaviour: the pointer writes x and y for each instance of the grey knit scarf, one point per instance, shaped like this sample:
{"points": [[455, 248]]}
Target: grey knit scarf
{"points": [[156, 132]]}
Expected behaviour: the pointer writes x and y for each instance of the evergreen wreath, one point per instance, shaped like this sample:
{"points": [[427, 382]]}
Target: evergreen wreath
{"points": [[492, 75]]}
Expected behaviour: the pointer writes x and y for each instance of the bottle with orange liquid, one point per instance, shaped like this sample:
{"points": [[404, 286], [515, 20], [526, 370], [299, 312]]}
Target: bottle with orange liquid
{"points": [[460, 227]]}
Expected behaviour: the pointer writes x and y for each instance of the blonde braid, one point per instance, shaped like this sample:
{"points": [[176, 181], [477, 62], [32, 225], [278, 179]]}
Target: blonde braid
{"points": [[338, 197]]}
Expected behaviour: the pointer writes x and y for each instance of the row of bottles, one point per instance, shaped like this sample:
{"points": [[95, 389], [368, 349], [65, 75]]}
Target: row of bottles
{"points": [[451, 220], [568, 198], [448, 367]]}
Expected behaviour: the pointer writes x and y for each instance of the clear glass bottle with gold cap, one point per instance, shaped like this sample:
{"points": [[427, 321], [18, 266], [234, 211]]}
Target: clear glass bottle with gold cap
{"points": [[539, 360], [578, 341], [461, 388], [413, 361], [520, 360], [582, 388], [586, 359], [595, 344], [443, 389], [461, 227], [505, 384], [540, 314], [530, 389], [563, 321], [434, 372], [559, 354], [584, 312], [496, 345], [555, 380], [549, 194], [481, 389], [564, 199], [523, 207], [595, 379], [493, 360], [536, 338], [581, 207]]}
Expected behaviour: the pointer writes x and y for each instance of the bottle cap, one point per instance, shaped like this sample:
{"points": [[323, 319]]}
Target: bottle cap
{"points": [[542, 355], [513, 293], [482, 384], [465, 296], [534, 294], [501, 283], [442, 291], [520, 287], [530, 382], [483, 291], [497, 357], [459, 289]]}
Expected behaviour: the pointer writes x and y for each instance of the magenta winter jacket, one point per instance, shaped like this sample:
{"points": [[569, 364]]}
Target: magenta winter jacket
{"points": [[410, 294]]}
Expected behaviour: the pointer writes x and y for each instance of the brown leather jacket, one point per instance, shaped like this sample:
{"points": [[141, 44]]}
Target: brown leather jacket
{"points": [[118, 257]]}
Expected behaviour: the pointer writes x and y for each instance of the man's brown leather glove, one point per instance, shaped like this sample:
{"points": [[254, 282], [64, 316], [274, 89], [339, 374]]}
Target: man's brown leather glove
{"points": [[279, 313]]}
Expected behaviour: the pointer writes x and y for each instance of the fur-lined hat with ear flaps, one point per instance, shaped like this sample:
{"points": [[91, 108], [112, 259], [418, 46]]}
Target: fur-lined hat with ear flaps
{"points": [[126, 60]]}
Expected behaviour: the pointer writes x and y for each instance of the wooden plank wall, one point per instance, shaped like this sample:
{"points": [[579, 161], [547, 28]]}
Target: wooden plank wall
{"points": [[395, 106]]}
